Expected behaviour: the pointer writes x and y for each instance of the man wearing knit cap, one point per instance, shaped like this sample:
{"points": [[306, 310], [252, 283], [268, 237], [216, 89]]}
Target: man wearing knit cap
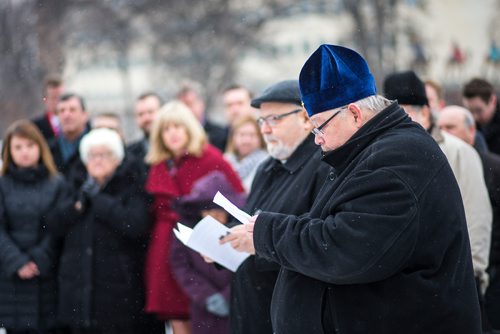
{"points": [[381, 250], [465, 162]]}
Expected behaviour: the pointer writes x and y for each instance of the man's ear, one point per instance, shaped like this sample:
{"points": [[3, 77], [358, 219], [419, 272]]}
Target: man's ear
{"points": [[472, 131], [357, 114], [493, 99], [306, 120]]}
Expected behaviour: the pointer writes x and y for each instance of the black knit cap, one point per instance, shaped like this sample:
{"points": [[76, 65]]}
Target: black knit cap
{"points": [[405, 87], [284, 92]]}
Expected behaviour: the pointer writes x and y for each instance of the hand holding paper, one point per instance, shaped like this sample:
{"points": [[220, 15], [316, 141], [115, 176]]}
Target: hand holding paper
{"points": [[204, 238], [242, 216], [240, 239]]}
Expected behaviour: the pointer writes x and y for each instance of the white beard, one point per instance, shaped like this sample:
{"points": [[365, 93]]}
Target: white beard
{"points": [[277, 149]]}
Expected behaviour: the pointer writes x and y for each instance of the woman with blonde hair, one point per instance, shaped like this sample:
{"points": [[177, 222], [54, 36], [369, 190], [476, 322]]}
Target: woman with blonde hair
{"points": [[246, 149], [30, 191], [179, 156]]}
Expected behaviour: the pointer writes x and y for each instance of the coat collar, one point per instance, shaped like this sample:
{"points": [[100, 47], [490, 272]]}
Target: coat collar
{"points": [[383, 121], [299, 157], [28, 175], [436, 134]]}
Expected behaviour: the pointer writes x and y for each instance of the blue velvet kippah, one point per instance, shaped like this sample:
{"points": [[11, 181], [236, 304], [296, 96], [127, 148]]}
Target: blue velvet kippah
{"points": [[333, 77]]}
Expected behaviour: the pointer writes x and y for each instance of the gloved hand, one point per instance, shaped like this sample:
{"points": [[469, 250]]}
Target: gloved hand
{"points": [[216, 304], [90, 187]]}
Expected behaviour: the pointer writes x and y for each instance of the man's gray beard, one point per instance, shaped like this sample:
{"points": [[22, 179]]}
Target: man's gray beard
{"points": [[278, 150]]}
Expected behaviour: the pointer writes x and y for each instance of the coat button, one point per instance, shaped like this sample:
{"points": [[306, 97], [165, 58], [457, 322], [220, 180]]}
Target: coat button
{"points": [[331, 176]]}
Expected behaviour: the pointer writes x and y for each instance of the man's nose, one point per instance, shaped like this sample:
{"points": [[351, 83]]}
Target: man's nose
{"points": [[318, 140], [265, 128]]}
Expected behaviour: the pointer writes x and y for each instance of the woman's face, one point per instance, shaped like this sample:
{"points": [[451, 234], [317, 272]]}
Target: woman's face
{"points": [[101, 163], [25, 152], [246, 140], [175, 138]]}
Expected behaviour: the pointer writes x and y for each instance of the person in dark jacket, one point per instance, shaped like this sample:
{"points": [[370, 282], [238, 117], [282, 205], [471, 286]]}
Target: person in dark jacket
{"points": [[480, 98], [146, 107], [74, 121], [100, 271], [191, 95], [459, 122], [207, 287], [287, 182], [381, 250], [48, 123], [30, 189]]}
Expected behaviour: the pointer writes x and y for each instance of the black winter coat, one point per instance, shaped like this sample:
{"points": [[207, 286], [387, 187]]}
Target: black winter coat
{"points": [[100, 274], [288, 188], [217, 136], [384, 248], [27, 196], [138, 150], [491, 168], [491, 131], [43, 124]]}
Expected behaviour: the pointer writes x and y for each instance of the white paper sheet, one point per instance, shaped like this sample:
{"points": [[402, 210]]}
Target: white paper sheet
{"points": [[227, 205], [204, 239]]}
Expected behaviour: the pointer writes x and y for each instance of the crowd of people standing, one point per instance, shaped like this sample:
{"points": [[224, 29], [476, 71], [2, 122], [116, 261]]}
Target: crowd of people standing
{"points": [[86, 217]]}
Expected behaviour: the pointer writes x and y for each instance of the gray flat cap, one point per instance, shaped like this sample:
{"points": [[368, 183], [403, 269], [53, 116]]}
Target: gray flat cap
{"points": [[284, 91]]}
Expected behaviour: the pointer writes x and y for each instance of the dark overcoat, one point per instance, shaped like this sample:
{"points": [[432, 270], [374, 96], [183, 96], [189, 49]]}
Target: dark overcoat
{"points": [[491, 131], [384, 248], [100, 274], [291, 188], [26, 197]]}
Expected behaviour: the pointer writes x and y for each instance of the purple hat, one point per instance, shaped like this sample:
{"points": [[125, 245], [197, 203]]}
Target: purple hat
{"points": [[203, 192]]}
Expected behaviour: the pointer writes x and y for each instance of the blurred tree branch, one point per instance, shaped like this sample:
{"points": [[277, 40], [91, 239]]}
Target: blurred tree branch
{"points": [[198, 40]]}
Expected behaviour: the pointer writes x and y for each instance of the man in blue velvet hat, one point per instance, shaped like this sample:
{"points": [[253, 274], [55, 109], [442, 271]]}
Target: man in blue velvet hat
{"points": [[381, 250]]}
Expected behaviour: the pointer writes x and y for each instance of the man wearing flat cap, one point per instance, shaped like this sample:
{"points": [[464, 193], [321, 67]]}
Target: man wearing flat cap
{"points": [[288, 182], [465, 162], [381, 250]]}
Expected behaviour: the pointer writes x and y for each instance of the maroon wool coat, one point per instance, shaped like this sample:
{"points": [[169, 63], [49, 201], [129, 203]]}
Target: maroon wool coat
{"points": [[168, 181]]}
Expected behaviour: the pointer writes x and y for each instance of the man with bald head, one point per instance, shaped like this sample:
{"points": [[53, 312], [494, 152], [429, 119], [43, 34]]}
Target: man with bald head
{"points": [[459, 122]]}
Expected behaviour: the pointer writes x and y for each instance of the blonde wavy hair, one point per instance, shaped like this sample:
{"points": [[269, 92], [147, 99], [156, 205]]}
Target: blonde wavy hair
{"points": [[178, 113]]}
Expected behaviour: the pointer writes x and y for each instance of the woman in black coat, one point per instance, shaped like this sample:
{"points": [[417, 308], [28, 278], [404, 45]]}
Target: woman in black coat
{"points": [[101, 264], [29, 191]]}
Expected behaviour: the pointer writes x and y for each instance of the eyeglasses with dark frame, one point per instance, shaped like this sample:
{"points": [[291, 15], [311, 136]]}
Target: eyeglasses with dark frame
{"points": [[272, 120], [318, 131]]}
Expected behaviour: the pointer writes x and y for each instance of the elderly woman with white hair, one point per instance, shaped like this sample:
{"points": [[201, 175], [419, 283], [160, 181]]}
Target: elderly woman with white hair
{"points": [[100, 287]]}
